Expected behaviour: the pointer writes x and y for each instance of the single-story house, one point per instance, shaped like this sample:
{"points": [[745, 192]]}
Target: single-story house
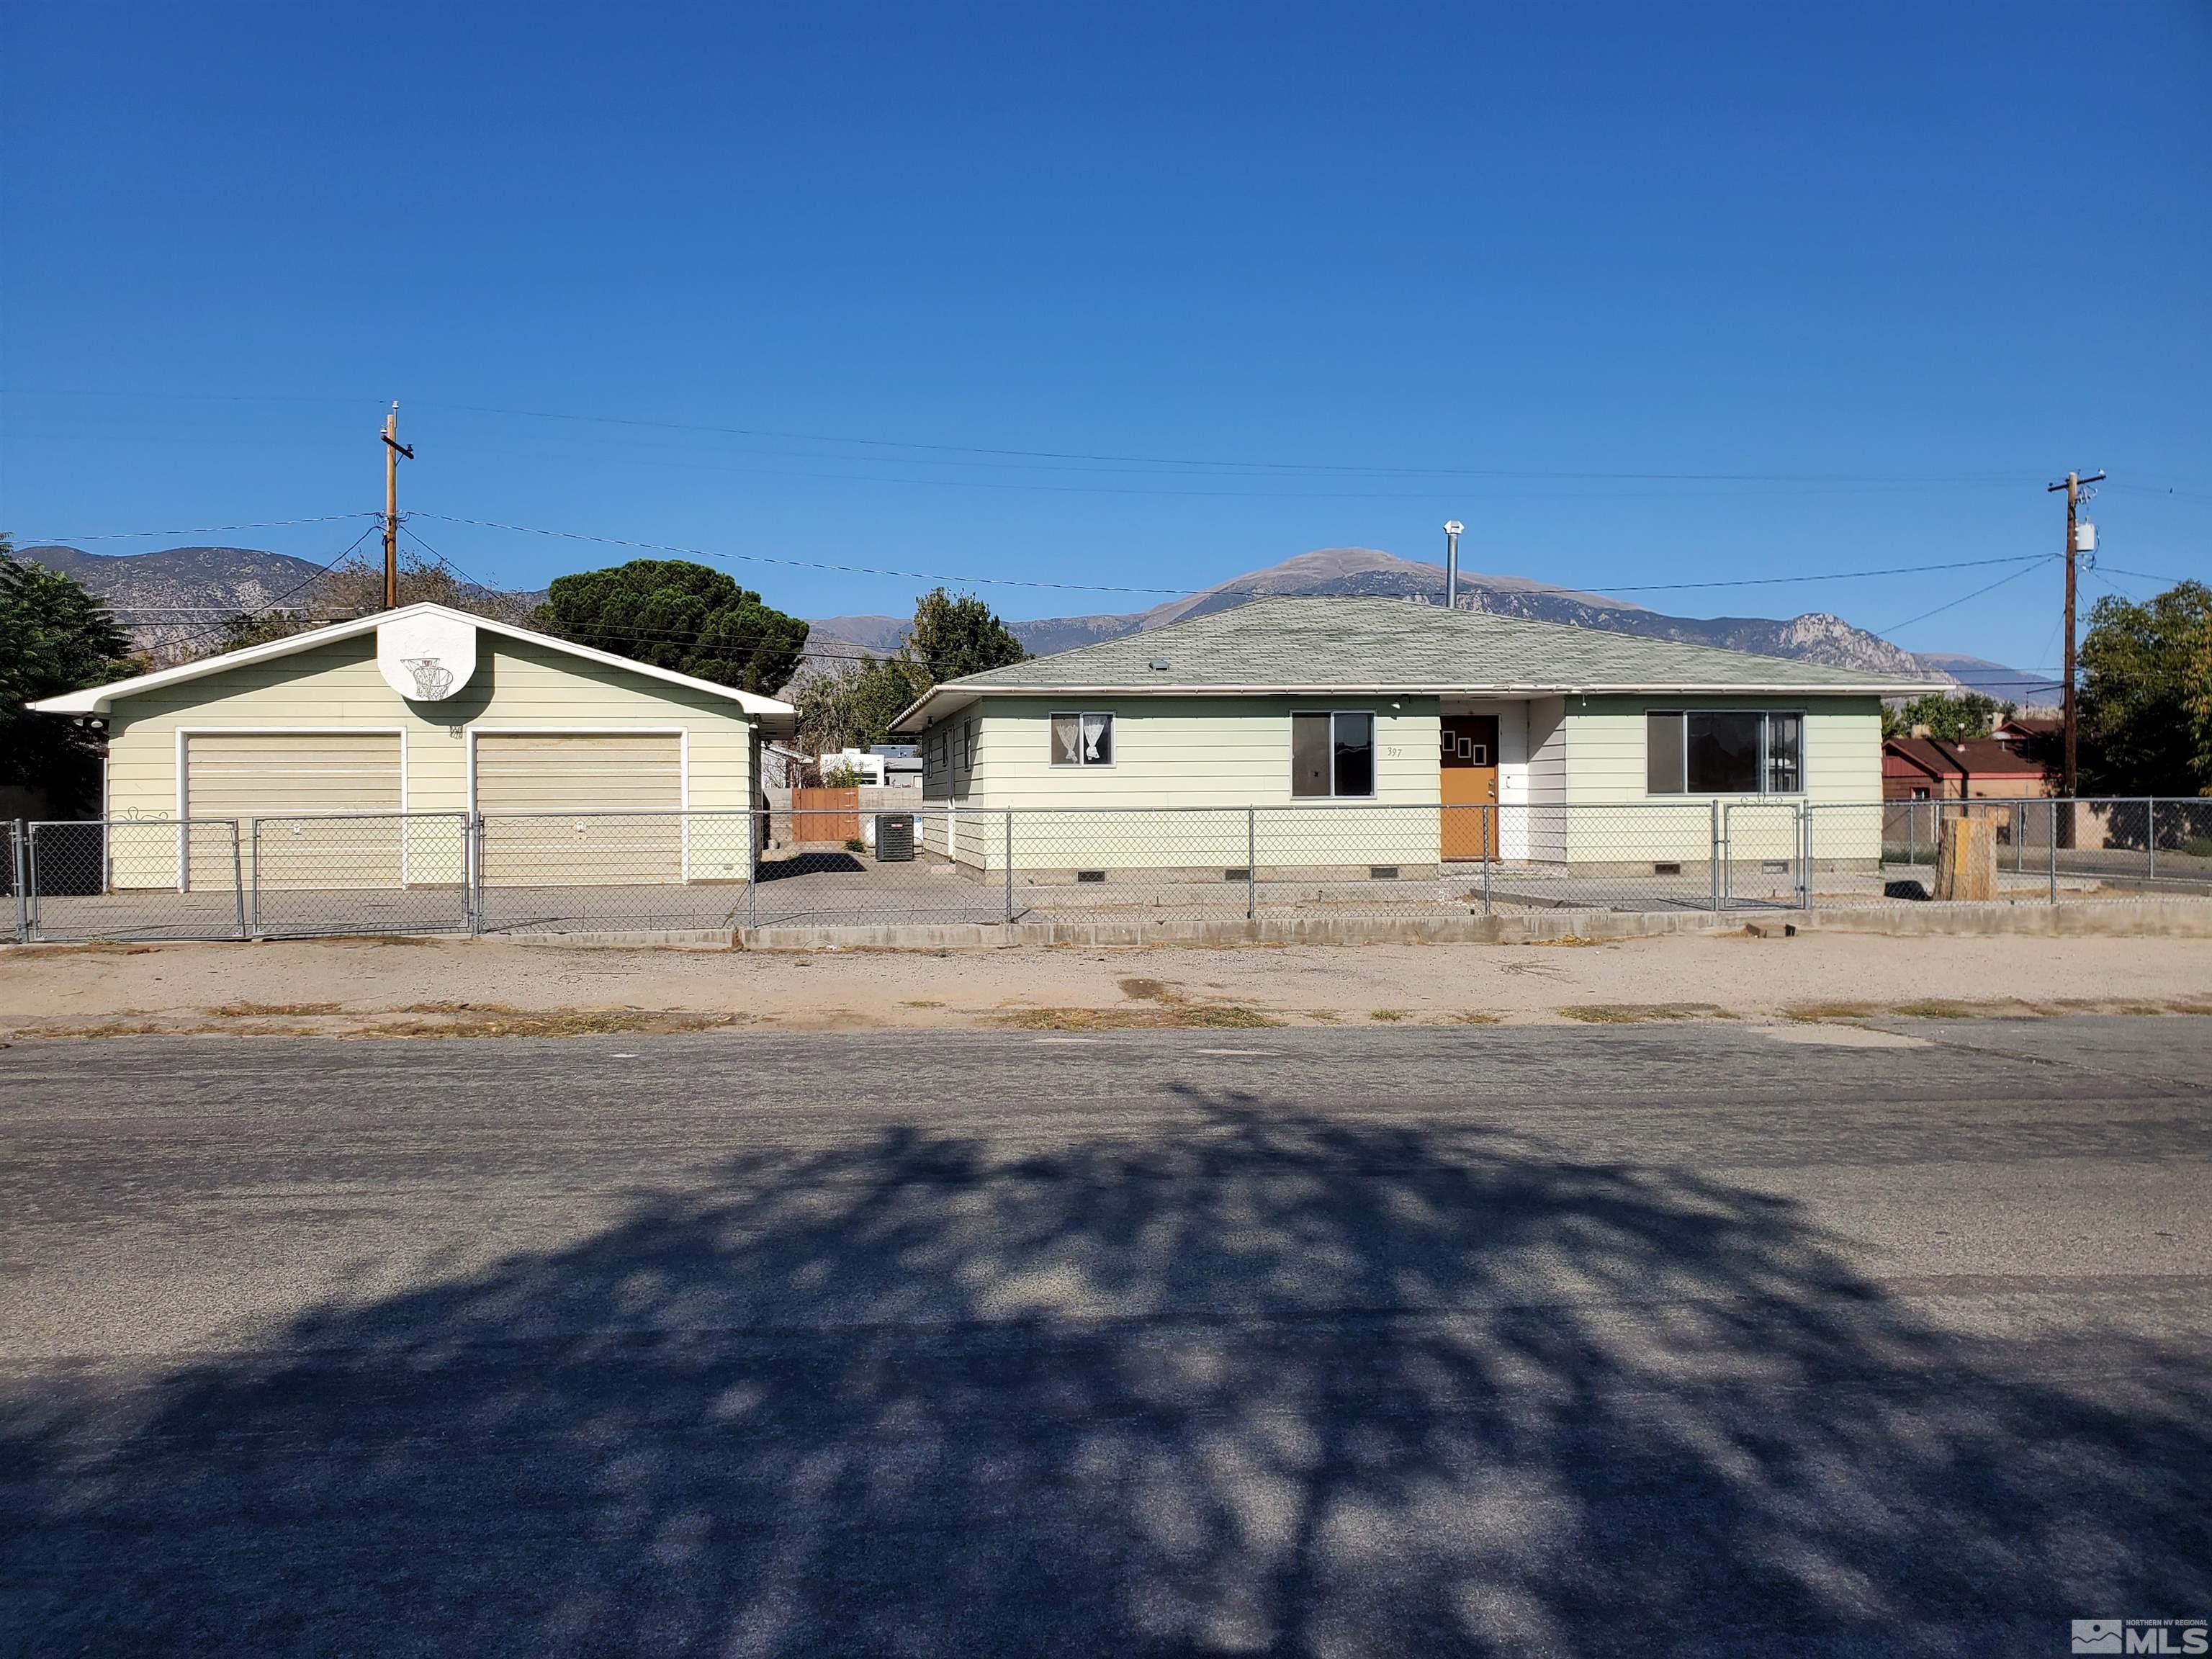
{"points": [[590, 766], [1368, 715], [1975, 769]]}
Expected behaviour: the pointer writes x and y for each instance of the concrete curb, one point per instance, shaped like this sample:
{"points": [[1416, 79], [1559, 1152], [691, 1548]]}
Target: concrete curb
{"points": [[659, 938], [2146, 918], [2167, 918]]}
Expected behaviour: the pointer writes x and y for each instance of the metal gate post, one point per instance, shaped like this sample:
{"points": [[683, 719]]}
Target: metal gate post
{"points": [[1489, 831], [18, 854], [1010, 866], [1251, 863], [1805, 855], [1713, 853], [473, 871], [238, 880], [2150, 839], [257, 877], [2051, 853]]}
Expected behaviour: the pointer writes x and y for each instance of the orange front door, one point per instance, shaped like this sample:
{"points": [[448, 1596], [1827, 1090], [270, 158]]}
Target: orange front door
{"points": [[1468, 784]]}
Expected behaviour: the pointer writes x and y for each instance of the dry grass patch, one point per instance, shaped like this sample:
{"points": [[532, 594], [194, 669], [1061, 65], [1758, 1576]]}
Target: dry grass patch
{"points": [[101, 947], [922, 1002], [1149, 990], [1944, 1008], [1387, 1016], [1637, 1013], [1474, 1016], [273, 1010], [1207, 1017], [497, 1019], [1825, 1013]]}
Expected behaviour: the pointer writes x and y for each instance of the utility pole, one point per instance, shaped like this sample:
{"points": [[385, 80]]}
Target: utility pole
{"points": [[2074, 483], [2070, 776], [393, 449]]}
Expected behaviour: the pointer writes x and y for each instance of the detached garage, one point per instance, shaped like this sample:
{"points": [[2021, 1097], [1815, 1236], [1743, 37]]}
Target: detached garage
{"points": [[359, 749]]}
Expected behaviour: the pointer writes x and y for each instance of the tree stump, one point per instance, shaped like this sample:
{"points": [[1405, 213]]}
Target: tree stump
{"points": [[1966, 858]]}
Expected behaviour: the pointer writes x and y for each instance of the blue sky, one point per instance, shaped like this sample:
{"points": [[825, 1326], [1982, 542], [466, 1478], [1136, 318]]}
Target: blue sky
{"points": [[1137, 297]]}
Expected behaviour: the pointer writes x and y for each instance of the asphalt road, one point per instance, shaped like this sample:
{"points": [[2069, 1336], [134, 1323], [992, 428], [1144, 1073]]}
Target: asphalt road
{"points": [[1651, 1339]]}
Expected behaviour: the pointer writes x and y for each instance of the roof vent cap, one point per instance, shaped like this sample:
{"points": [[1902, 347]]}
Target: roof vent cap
{"points": [[1159, 664]]}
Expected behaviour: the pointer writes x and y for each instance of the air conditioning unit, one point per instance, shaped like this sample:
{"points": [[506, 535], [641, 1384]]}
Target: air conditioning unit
{"points": [[894, 838]]}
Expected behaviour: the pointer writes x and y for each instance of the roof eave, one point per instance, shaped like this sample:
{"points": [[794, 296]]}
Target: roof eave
{"points": [[101, 699], [920, 708]]}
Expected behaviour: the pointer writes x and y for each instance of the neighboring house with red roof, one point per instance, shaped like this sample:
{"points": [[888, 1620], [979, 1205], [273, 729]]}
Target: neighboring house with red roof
{"points": [[1979, 768], [2023, 731]]}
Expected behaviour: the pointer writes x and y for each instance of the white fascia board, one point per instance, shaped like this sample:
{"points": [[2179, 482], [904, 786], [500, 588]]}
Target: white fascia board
{"points": [[97, 700]]}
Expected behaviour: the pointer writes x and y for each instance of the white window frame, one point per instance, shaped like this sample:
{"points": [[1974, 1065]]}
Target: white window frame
{"points": [[1113, 738], [1765, 715], [1374, 754]]}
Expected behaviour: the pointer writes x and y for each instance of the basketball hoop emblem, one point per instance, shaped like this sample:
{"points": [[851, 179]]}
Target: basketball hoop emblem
{"points": [[427, 654], [433, 679]]}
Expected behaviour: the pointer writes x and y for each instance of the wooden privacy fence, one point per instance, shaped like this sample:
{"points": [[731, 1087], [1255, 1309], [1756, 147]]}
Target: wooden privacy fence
{"points": [[825, 815]]}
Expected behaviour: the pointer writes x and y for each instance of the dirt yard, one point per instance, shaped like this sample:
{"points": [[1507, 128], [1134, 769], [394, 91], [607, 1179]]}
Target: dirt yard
{"points": [[458, 987]]}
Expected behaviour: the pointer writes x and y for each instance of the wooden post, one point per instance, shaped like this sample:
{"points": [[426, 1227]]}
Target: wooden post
{"points": [[1966, 858]]}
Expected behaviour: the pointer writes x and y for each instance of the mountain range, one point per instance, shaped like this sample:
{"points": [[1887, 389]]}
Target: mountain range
{"points": [[177, 600], [1814, 636]]}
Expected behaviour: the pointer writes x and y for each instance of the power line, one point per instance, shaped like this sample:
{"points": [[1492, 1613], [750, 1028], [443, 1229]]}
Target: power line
{"points": [[798, 564], [1000, 453], [1096, 588], [2144, 575], [232, 618], [204, 530], [1953, 604], [408, 529]]}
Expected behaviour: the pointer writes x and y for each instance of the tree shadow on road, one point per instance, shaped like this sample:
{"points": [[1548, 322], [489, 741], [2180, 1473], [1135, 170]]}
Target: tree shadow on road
{"points": [[1280, 1383]]}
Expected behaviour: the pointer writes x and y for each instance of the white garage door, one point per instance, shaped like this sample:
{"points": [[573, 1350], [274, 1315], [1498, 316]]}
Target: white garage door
{"points": [[563, 809], [289, 780]]}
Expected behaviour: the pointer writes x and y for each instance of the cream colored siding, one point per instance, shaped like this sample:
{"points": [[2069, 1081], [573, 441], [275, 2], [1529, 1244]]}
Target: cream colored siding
{"points": [[1572, 775], [1606, 766], [1546, 821], [287, 777], [335, 686], [1184, 752]]}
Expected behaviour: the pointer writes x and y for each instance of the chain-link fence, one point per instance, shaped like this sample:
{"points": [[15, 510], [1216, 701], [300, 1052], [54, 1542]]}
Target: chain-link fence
{"points": [[133, 879], [2048, 849], [571, 872], [957, 863], [358, 873]]}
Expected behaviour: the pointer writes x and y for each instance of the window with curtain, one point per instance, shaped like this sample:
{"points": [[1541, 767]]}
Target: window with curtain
{"points": [[1082, 739], [1723, 751], [1332, 755]]}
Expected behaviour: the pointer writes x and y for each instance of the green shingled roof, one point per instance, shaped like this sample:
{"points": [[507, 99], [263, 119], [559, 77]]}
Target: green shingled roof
{"points": [[1303, 643]]}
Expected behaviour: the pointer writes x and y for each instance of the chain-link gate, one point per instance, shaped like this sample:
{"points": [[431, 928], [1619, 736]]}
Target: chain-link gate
{"points": [[134, 878], [1762, 856]]}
